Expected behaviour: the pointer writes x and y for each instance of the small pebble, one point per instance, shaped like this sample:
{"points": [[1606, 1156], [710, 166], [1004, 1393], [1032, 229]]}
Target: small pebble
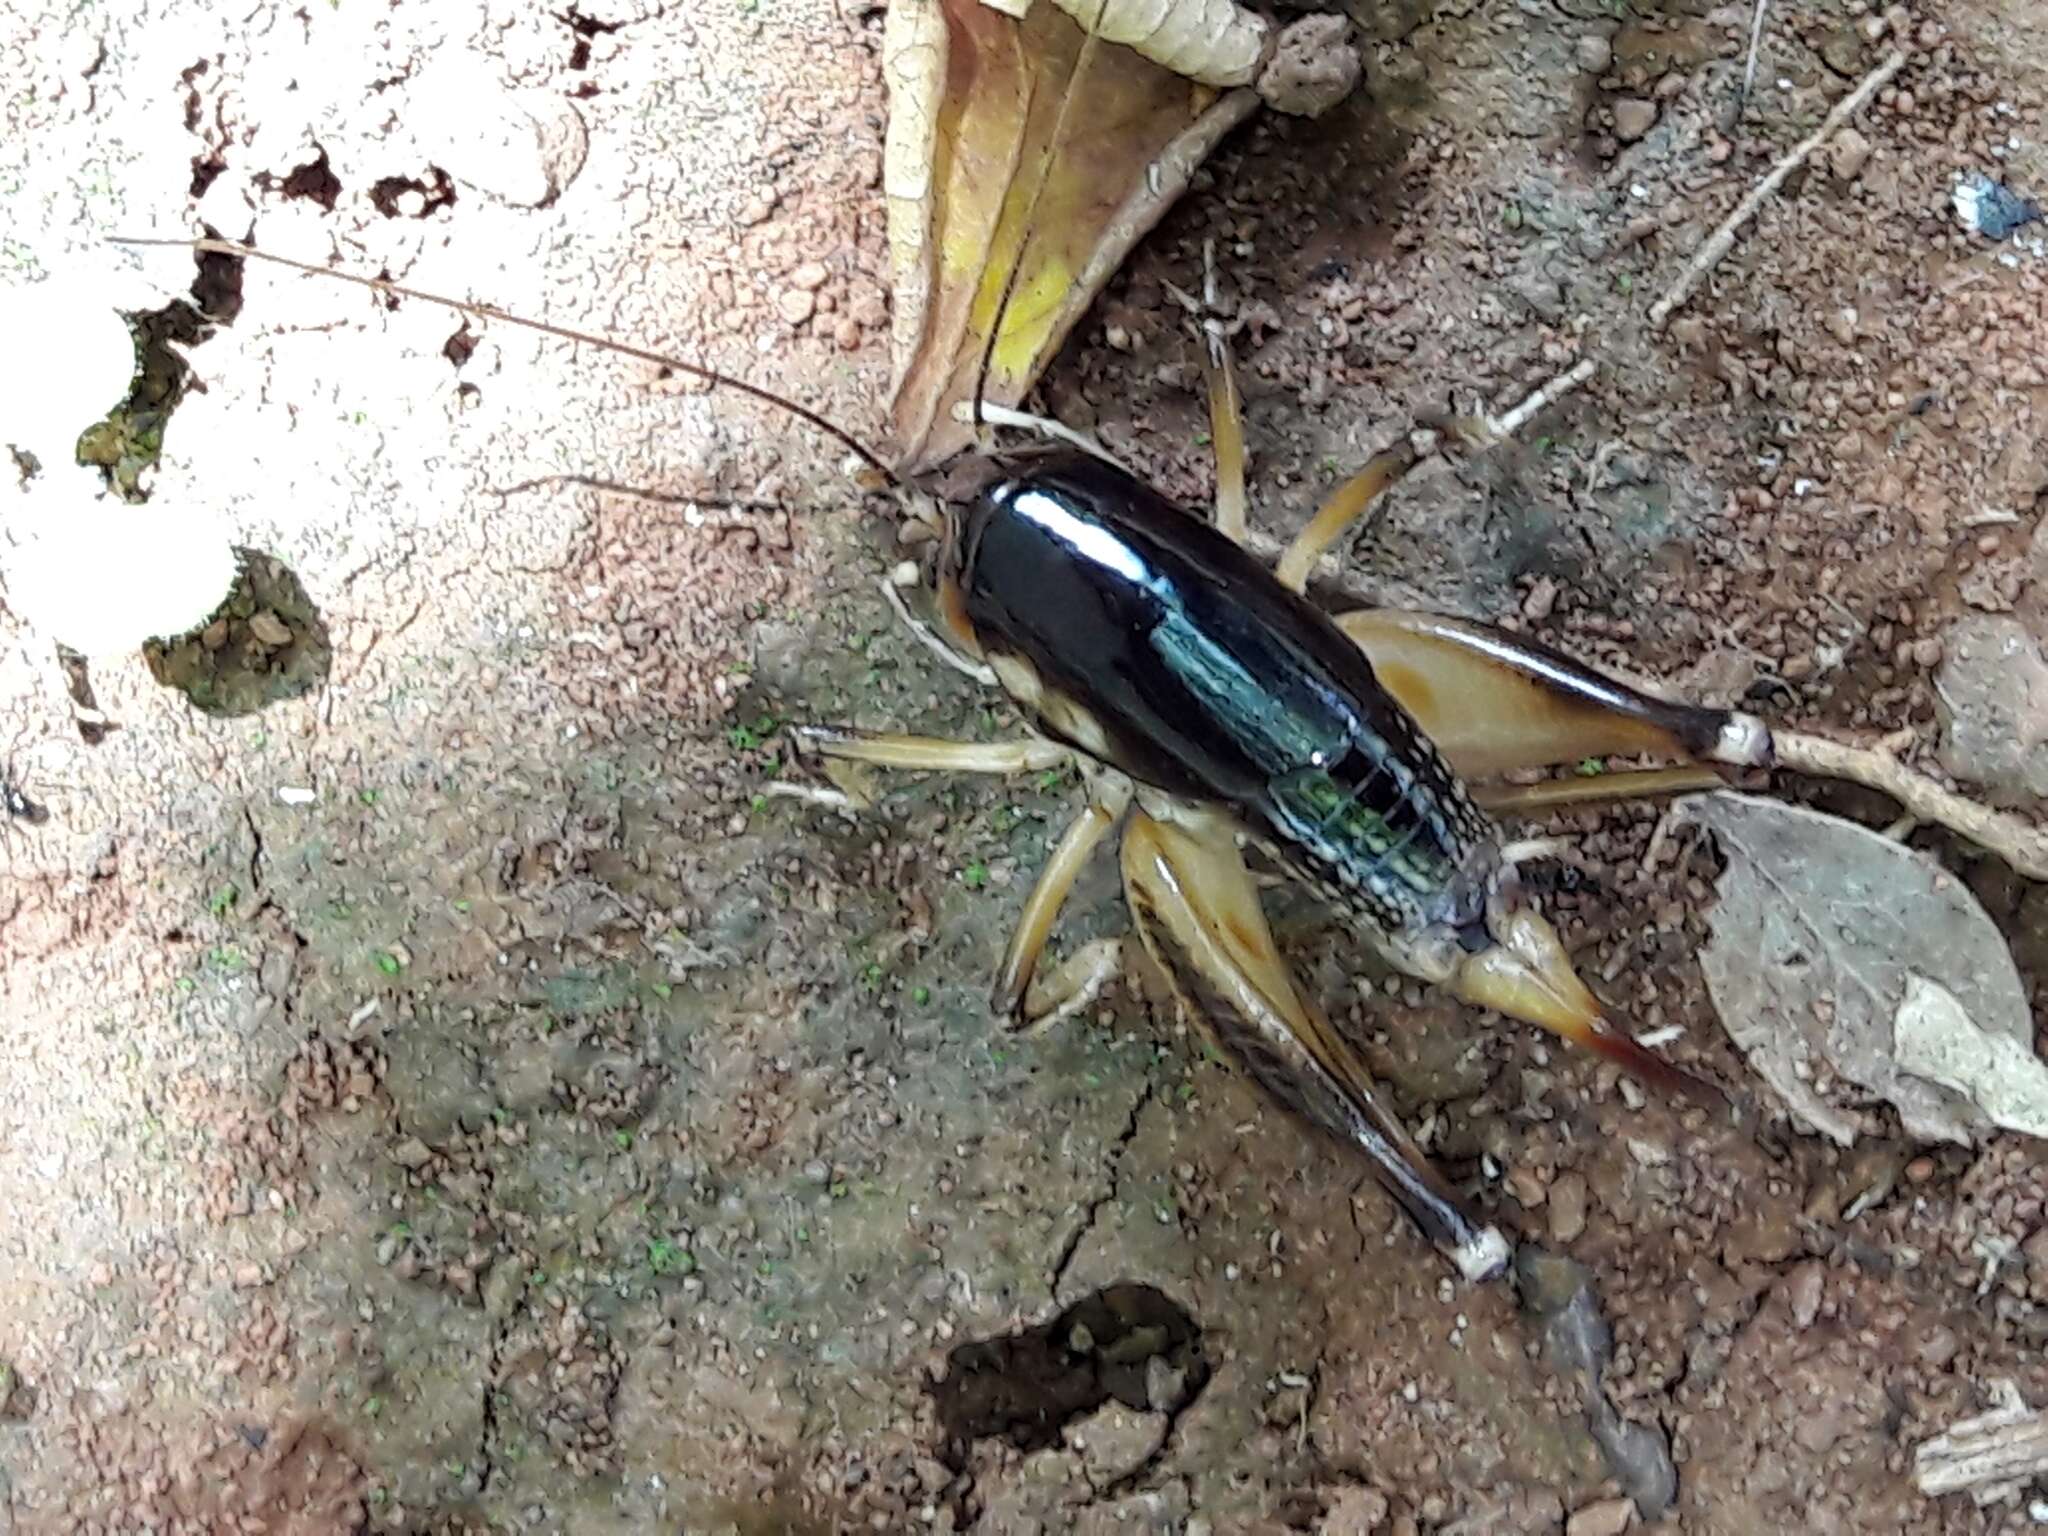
{"points": [[809, 277], [1920, 1170], [1848, 153], [795, 305], [1607, 1517], [1568, 1195], [1594, 54], [1633, 117]]}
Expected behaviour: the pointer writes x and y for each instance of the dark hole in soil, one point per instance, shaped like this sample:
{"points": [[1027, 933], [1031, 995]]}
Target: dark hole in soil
{"points": [[93, 726], [315, 181], [585, 28], [460, 346], [435, 193], [266, 643], [1127, 1341], [129, 439]]}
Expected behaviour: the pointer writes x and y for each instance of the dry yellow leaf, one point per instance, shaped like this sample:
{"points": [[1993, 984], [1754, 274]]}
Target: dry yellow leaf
{"points": [[974, 99]]}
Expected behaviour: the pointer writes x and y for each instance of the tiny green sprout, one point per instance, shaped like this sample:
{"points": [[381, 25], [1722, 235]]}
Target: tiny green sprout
{"points": [[758, 804], [920, 995], [1201, 439], [663, 990], [388, 963], [259, 739], [623, 1139], [186, 984], [223, 901], [1589, 768], [837, 1190], [1092, 1079], [666, 1256], [803, 1234], [537, 1278], [369, 796], [975, 875], [765, 1268], [373, 1405], [1512, 215], [1545, 444], [1624, 284], [463, 904]]}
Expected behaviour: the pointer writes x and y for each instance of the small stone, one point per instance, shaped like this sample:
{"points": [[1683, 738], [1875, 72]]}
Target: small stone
{"points": [[1116, 1441], [248, 1276], [795, 305], [1568, 1194], [101, 1274], [847, 333], [1992, 698], [1166, 1385], [1355, 1511], [810, 277], [1848, 153], [1528, 1188], [2035, 1251], [1542, 599], [1920, 1170], [1607, 1517], [269, 628], [1803, 1292], [412, 1153], [1633, 117], [1314, 66], [1594, 54]]}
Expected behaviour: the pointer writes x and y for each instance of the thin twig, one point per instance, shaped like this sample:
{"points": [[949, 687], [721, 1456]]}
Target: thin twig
{"points": [[1723, 239], [1756, 38], [1513, 421], [2023, 846]]}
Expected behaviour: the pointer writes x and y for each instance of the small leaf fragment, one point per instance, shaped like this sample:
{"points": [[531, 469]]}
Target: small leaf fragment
{"points": [[1824, 934]]}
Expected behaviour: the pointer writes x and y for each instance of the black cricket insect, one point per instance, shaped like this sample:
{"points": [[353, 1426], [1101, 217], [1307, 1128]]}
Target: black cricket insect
{"points": [[1211, 706]]}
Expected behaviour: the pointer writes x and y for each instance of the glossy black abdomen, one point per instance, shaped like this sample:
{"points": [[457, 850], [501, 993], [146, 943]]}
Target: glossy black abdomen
{"points": [[1210, 679]]}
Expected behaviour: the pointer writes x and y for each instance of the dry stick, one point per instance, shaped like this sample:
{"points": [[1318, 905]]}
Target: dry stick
{"points": [[2020, 844], [1723, 239], [2023, 846], [1756, 41]]}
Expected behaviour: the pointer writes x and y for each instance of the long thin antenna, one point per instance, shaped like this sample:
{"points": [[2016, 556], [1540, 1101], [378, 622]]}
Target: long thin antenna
{"points": [[1059, 128], [385, 285]]}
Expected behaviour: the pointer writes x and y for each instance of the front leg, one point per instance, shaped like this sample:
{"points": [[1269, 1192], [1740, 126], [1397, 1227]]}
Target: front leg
{"points": [[1195, 907]]}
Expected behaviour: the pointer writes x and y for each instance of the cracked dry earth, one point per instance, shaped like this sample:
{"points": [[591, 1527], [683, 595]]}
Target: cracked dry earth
{"points": [[535, 1128]]}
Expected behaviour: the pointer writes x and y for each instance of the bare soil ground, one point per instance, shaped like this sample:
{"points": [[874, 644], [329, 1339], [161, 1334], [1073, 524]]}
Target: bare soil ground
{"points": [[538, 1129]]}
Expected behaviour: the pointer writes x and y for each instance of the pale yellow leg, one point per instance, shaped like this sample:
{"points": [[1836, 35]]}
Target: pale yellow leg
{"points": [[1226, 431], [886, 749], [1111, 796], [1494, 702], [1347, 504], [1595, 789], [1196, 909]]}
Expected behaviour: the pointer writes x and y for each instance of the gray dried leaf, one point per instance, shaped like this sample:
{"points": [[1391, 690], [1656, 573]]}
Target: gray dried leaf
{"points": [[1850, 969]]}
